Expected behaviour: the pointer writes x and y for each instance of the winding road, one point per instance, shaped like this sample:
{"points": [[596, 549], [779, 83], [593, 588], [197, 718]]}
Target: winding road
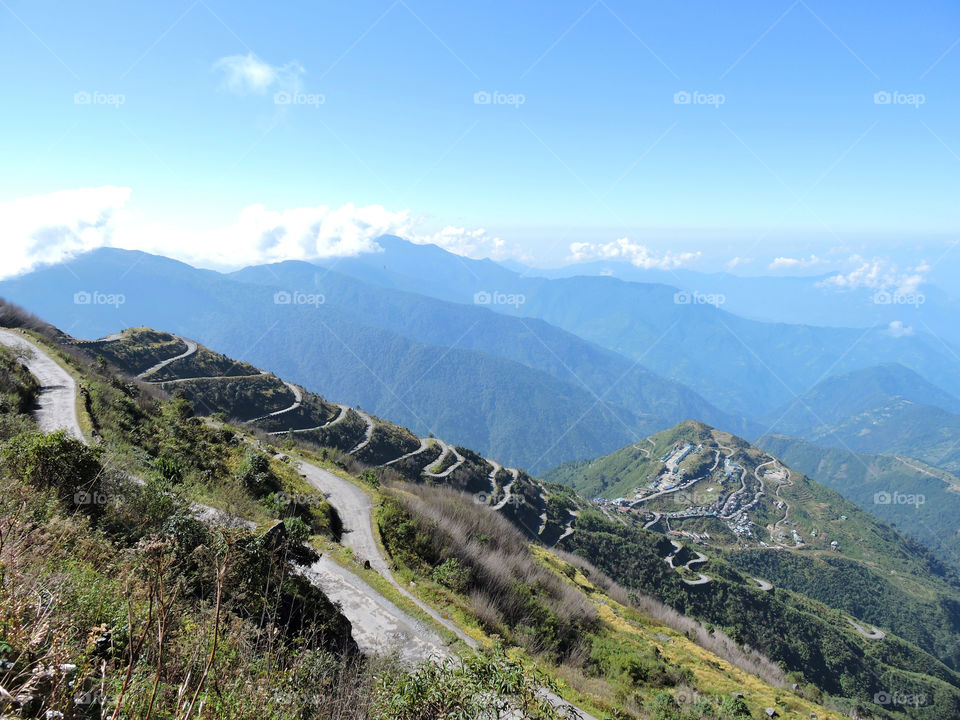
{"points": [[59, 412], [786, 512], [191, 349], [361, 603], [447, 449], [57, 403], [340, 416], [568, 529], [379, 626], [507, 489], [369, 432], [543, 515], [698, 560], [492, 477], [297, 402], [764, 585], [424, 444], [656, 519], [875, 634], [356, 512]]}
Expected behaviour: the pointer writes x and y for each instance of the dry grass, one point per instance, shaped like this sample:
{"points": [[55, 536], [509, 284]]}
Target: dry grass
{"points": [[715, 641], [509, 591]]}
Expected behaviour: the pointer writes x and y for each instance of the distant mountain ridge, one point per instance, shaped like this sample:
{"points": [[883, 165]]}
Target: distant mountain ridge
{"points": [[886, 409], [745, 367], [842, 396], [529, 393]]}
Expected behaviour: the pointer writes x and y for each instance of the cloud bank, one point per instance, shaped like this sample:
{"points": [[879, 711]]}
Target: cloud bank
{"points": [[879, 274], [792, 263], [57, 226], [634, 253]]}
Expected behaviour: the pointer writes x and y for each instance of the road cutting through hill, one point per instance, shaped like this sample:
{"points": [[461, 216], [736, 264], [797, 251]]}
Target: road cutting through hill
{"points": [[356, 511], [57, 402]]}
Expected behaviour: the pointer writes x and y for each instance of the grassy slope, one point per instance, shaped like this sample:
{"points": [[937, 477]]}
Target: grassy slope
{"points": [[805, 636], [618, 658], [859, 477], [140, 349]]}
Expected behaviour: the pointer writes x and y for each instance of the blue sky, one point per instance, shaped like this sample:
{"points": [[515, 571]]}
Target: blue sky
{"points": [[782, 151]]}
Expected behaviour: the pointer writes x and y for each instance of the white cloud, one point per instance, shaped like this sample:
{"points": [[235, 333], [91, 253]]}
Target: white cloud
{"points": [[55, 227], [51, 228], [634, 253], [899, 330], [246, 74], [470, 243], [879, 274], [738, 261], [790, 263], [260, 235]]}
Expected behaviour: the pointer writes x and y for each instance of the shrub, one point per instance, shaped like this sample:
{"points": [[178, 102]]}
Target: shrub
{"points": [[256, 476], [452, 575], [58, 462]]}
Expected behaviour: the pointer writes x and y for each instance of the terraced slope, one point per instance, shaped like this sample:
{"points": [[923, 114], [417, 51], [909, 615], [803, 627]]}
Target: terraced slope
{"points": [[214, 383]]}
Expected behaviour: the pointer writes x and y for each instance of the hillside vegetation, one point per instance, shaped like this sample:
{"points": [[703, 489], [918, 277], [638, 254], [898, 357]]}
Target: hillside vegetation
{"points": [[174, 522], [870, 481], [618, 649]]}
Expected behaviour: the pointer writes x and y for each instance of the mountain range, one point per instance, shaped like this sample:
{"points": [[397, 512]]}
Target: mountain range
{"points": [[762, 363], [516, 387], [414, 330], [886, 409]]}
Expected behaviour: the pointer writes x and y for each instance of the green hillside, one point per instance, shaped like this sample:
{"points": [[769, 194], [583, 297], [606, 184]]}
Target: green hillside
{"points": [[798, 535], [883, 485], [774, 508]]}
